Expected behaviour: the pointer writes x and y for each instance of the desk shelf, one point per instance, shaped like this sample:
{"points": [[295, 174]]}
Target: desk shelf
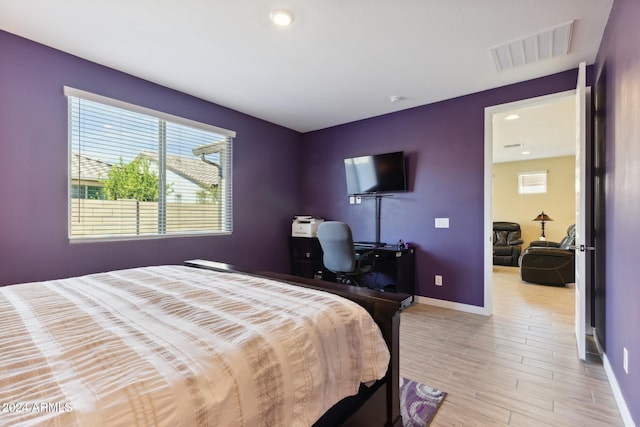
{"points": [[394, 269]]}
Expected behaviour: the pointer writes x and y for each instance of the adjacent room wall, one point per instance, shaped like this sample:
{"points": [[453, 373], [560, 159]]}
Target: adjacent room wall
{"points": [[619, 60], [445, 146], [559, 202], [33, 173]]}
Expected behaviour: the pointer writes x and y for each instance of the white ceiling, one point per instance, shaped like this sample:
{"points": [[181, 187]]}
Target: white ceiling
{"points": [[542, 129], [338, 62]]}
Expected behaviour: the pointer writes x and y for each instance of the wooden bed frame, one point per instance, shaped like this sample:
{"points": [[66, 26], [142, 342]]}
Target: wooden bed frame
{"points": [[378, 405]]}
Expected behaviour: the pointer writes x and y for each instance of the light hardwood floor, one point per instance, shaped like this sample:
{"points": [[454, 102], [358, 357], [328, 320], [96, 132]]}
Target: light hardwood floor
{"points": [[518, 367]]}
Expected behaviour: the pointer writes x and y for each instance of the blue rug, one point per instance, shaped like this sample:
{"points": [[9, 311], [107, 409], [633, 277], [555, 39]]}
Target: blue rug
{"points": [[418, 403]]}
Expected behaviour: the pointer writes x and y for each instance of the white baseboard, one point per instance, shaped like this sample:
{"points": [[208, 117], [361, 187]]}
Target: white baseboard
{"points": [[453, 305], [617, 393]]}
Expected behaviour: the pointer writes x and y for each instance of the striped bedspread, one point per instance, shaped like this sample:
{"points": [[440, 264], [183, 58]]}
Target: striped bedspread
{"points": [[179, 346]]}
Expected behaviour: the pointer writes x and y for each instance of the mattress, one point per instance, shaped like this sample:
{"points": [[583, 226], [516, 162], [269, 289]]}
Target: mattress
{"points": [[180, 346]]}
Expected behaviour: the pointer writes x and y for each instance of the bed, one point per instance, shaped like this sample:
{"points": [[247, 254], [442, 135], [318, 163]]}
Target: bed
{"points": [[183, 346]]}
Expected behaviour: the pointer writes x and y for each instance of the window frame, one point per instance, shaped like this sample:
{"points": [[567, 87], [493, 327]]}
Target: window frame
{"points": [[541, 188], [228, 136]]}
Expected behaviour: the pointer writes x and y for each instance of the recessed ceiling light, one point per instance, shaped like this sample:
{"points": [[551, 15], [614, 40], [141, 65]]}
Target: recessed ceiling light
{"points": [[395, 98], [282, 17], [524, 153], [512, 117]]}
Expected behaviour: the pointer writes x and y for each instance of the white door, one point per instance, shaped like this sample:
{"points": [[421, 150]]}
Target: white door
{"points": [[581, 168]]}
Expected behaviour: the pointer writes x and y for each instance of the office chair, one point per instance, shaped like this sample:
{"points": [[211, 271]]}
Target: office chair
{"points": [[339, 255]]}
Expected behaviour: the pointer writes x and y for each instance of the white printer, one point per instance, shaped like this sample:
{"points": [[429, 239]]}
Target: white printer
{"points": [[305, 226]]}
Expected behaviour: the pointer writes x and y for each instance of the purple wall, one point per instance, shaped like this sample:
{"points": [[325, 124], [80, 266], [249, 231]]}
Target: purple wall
{"points": [[33, 173], [445, 147], [620, 57]]}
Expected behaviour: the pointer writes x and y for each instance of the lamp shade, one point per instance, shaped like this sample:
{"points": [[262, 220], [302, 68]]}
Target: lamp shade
{"points": [[542, 217]]}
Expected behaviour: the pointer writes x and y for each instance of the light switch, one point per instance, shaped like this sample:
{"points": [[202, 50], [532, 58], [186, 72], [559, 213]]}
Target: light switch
{"points": [[442, 222]]}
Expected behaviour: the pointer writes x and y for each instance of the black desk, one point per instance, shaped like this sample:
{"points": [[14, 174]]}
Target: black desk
{"points": [[394, 269]]}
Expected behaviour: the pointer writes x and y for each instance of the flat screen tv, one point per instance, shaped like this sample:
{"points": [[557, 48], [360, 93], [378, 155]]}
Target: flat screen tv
{"points": [[378, 173]]}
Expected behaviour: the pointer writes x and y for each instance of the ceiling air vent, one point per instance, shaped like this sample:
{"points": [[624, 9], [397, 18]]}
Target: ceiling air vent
{"points": [[537, 47]]}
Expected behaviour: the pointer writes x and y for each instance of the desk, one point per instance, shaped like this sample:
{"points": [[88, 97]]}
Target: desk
{"points": [[394, 269]]}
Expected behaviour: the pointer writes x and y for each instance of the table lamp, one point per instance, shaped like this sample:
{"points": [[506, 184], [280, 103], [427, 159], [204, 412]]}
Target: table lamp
{"points": [[542, 217]]}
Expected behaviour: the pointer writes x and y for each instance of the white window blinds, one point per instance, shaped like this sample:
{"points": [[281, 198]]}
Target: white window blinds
{"points": [[136, 172], [532, 182]]}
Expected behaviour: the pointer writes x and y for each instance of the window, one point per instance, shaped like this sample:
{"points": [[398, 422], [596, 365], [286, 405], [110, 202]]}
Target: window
{"points": [[532, 182], [136, 172], [80, 191]]}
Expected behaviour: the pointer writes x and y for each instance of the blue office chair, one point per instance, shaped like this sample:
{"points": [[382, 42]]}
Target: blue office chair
{"points": [[339, 255]]}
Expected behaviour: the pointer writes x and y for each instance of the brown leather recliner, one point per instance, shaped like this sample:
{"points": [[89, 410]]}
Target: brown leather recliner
{"points": [[507, 243], [550, 263]]}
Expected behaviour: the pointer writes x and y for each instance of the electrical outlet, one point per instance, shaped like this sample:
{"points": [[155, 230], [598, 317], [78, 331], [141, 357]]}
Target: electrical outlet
{"points": [[358, 200], [625, 360], [438, 280]]}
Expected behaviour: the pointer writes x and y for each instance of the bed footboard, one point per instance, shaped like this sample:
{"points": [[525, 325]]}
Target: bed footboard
{"points": [[378, 405]]}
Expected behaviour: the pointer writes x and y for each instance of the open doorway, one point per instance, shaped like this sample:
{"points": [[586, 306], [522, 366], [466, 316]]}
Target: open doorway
{"points": [[534, 153], [536, 135]]}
